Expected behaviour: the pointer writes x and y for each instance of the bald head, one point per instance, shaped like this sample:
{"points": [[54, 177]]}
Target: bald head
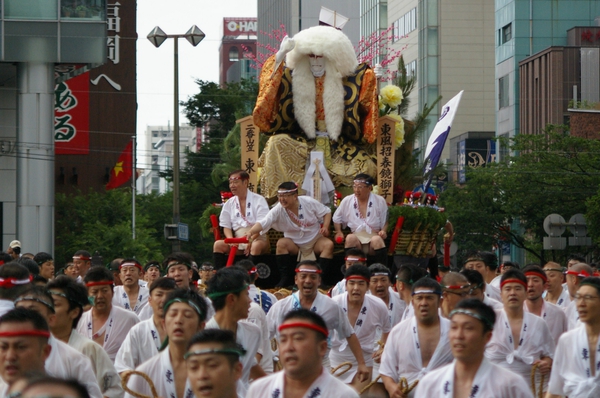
{"points": [[454, 279], [575, 275]]}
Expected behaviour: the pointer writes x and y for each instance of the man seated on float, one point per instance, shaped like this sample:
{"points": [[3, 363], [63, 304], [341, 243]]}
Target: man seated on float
{"points": [[238, 215], [298, 217], [366, 215]]}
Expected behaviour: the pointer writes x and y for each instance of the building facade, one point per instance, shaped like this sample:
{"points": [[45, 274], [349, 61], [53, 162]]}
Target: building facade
{"points": [[239, 39], [524, 28], [35, 36]]}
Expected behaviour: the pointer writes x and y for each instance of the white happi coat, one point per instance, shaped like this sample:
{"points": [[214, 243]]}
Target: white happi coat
{"points": [[325, 386], [310, 213], [396, 307], [348, 214], [160, 371], [339, 288], [332, 314], [121, 299], [257, 317], [249, 337], [535, 341], [564, 299], [141, 343], [231, 214], [490, 381], [402, 353], [495, 304], [264, 299], [572, 315], [66, 362], [116, 327], [493, 292], [106, 375], [409, 311], [571, 374], [372, 316], [555, 319], [146, 312]]}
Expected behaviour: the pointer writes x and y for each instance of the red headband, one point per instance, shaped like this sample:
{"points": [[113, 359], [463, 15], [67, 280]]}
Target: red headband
{"points": [[354, 258], [309, 270], [513, 280], [131, 264], [102, 283], [581, 274], [538, 274], [82, 257], [304, 325], [32, 333], [12, 282], [252, 270], [454, 287], [358, 277]]}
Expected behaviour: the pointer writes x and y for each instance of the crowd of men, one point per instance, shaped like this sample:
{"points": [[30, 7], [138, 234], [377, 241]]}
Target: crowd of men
{"points": [[178, 330]]}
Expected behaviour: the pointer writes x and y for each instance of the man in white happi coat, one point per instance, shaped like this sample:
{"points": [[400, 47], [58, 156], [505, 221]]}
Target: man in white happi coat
{"points": [[381, 286], [105, 323], [228, 291], [455, 287], [520, 339], [471, 374], [213, 364], [299, 218], [352, 256], [406, 277], [15, 279], [24, 338], [576, 368], [185, 313], [82, 262], [366, 314], [145, 339], [574, 275], [366, 215], [308, 279], [238, 215], [553, 315], [303, 345], [264, 299], [63, 361], [417, 345], [485, 263], [151, 271], [555, 292], [477, 289], [130, 295], [69, 298]]}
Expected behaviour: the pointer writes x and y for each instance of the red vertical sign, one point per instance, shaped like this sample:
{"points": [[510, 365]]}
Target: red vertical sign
{"points": [[72, 116]]}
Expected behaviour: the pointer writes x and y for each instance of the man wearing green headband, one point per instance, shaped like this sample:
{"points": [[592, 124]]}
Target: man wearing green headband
{"points": [[471, 374], [213, 364], [70, 297], [179, 267], [63, 361], [577, 358], [185, 313], [228, 291]]}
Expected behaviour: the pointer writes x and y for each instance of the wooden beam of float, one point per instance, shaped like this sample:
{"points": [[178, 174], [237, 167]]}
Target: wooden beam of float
{"points": [[385, 157], [249, 144]]}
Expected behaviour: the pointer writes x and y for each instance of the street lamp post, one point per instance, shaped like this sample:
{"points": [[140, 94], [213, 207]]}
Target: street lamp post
{"points": [[157, 37]]}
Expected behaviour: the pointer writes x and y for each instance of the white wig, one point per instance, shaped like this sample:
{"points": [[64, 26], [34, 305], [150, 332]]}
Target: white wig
{"points": [[327, 42]]}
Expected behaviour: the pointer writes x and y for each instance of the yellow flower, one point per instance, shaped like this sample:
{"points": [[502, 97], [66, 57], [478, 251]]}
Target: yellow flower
{"points": [[391, 96], [376, 190], [399, 130]]}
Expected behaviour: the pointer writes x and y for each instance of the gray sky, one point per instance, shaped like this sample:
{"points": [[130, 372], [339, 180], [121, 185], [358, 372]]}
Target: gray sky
{"points": [[155, 65]]}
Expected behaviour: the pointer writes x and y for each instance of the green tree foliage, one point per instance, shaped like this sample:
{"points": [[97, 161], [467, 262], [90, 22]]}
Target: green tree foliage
{"points": [[102, 222], [551, 173]]}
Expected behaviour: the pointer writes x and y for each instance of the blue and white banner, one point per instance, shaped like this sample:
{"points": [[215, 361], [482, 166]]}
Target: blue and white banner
{"points": [[438, 137]]}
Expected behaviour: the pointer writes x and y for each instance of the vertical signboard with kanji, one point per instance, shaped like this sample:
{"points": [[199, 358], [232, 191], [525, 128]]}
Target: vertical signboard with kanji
{"points": [[385, 157], [249, 144], [72, 116]]}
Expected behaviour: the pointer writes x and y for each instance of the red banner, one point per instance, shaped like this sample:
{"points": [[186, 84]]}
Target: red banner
{"points": [[72, 116]]}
